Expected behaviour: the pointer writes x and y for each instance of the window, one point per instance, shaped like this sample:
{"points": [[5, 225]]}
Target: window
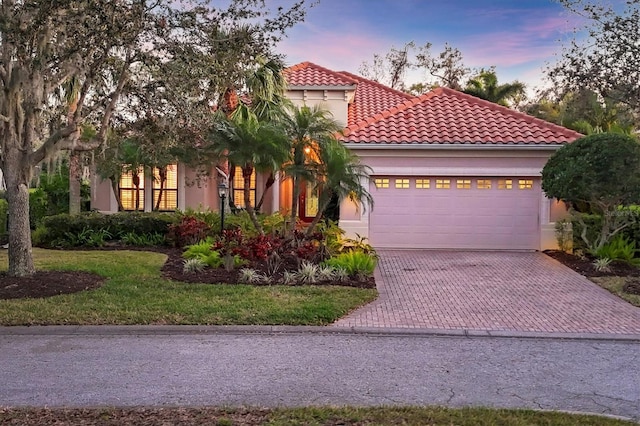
{"points": [[165, 188], [238, 188], [525, 184], [381, 182], [484, 183], [505, 184], [423, 183], [402, 183], [132, 190], [443, 183], [463, 184]]}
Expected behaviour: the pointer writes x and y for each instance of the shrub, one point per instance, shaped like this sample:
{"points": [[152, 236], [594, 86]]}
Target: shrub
{"points": [[308, 273], [602, 264], [188, 231], [4, 208], [563, 234], [355, 263], [193, 266], [143, 240], [251, 276], [619, 248], [123, 223], [204, 251], [37, 206]]}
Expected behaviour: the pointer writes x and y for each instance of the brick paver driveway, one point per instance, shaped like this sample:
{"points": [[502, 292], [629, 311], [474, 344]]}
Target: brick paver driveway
{"points": [[513, 291]]}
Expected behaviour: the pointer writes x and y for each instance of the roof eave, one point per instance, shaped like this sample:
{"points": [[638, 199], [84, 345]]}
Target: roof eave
{"points": [[543, 146]]}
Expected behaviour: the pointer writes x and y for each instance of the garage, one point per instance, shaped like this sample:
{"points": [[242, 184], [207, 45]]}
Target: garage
{"points": [[486, 213]]}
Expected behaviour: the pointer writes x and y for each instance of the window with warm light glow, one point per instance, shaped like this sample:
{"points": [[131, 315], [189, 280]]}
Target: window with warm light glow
{"points": [[238, 188], [525, 184], [165, 188], [423, 183], [484, 184], [443, 183], [381, 182], [505, 184], [402, 183], [131, 190], [463, 184]]}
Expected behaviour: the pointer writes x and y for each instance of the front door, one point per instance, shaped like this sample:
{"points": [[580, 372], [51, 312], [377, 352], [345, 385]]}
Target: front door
{"points": [[308, 202]]}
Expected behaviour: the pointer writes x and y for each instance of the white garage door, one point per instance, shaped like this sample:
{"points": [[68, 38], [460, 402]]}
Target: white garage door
{"points": [[450, 212]]}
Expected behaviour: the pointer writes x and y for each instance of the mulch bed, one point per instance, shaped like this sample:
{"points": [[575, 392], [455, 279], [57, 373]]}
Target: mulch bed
{"points": [[584, 265], [53, 283]]}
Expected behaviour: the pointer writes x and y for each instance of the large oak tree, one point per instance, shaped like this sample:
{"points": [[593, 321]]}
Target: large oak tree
{"points": [[134, 60]]}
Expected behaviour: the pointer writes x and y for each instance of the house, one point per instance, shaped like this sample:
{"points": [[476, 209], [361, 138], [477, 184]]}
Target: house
{"points": [[448, 170]]}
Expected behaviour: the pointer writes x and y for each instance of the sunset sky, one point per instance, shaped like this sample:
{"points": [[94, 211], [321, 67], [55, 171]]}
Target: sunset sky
{"points": [[519, 36]]}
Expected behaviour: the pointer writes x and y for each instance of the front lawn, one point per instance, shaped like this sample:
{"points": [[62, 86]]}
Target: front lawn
{"points": [[432, 416], [135, 293]]}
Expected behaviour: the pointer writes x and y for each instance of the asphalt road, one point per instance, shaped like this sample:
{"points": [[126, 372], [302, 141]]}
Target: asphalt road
{"points": [[295, 369]]}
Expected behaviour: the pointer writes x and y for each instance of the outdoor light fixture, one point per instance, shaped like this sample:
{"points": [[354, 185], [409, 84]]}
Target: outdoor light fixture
{"points": [[222, 193]]}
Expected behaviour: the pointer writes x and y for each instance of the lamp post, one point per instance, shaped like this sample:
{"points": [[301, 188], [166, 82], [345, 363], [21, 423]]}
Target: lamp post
{"points": [[222, 193]]}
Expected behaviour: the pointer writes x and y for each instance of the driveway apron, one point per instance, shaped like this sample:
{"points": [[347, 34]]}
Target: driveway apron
{"points": [[495, 291]]}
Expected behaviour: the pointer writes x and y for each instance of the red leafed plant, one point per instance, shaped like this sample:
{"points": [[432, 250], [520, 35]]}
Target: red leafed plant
{"points": [[190, 230]]}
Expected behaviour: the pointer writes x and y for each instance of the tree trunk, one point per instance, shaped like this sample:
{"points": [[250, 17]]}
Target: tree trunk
{"points": [[17, 173], [294, 203], [136, 184], [247, 171], [75, 176], [162, 174], [318, 216], [270, 181], [115, 187]]}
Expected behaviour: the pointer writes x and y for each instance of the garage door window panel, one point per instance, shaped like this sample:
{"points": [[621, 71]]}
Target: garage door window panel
{"points": [[443, 183], [402, 183], [423, 183], [381, 183], [505, 184]]}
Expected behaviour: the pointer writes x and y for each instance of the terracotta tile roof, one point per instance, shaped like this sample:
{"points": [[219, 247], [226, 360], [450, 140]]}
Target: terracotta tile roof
{"points": [[310, 74], [446, 116], [372, 98]]}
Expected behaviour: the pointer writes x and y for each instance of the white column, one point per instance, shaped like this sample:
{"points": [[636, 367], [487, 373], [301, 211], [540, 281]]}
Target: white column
{"points": [[275, 193]]}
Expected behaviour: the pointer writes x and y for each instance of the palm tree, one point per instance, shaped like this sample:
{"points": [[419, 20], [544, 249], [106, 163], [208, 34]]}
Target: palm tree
{"points": [[69, 92], [342, 176], [485, 86], [252, 145], [309, 130]]}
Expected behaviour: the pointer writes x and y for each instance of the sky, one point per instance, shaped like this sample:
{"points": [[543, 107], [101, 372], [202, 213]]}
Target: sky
{"points": [[518, 37]]}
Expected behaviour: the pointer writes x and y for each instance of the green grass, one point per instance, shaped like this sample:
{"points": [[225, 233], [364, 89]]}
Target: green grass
{"points": [[135, 293], [429, 416], [614, 285]]}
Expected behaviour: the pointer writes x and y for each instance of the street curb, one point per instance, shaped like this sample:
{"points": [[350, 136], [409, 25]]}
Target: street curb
{"points": [[158, 330]]}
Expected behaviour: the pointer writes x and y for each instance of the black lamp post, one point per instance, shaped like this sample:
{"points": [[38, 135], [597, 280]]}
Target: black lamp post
{"points": [[222, 193]]}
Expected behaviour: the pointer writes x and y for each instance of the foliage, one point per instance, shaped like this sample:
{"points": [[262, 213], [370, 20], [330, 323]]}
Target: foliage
{"points": [[602, 170], [194, 265], [601, 264], [188, 231], [4, 208], [251, 276], [355, 263], [37, 206], [607, 61], [308, 273], [65, 230], [153, 68], [87, 237], [143, 240], [339, 175], [619, 248], [563, 234], [204, 251], [55, 185], [485, 86], [355, 244], [253, 145]]}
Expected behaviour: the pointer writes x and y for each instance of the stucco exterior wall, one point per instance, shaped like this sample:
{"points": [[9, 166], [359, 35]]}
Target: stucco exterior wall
{"points": [[336, 101]]}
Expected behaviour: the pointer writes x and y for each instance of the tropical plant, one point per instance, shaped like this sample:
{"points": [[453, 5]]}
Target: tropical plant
{"points": [[309, 130], [564, 234], [485, 86], [251, 276], [355, 263], [192, 266], [251, 144], [340, 175], [602, 264], [619, 248], [308, 273]]}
